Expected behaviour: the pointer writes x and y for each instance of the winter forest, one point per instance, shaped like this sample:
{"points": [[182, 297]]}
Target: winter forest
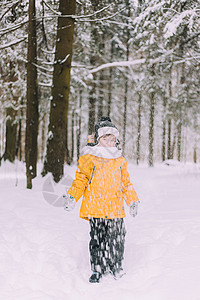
{"points": [[64, 64]]}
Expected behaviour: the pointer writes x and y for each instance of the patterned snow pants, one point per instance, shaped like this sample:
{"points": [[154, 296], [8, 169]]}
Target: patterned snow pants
{"points": [[106, 244]]}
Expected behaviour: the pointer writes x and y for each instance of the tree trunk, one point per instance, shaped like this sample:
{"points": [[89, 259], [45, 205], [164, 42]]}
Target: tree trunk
{"points": [[181, 84], [164, 131], [169, 151], [173, 146], [126, 79], [11, 135], [179, 140], [110, 81], [11, 118], [19, 144], [125, 115], [20, 149], [101, 96], [56, 143], [151, 128], [138, 130], [180, 114], [101, 79], [72, 152], [32, 99], [169, 147], [96, 49], [79, 127], [43, 139], [195, 155], [163, 140], [68, 158], [1, 140], [92, 88], [92, 103]]}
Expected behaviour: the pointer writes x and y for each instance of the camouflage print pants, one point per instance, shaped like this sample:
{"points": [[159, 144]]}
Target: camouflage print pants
{"points": [[106, 244]]}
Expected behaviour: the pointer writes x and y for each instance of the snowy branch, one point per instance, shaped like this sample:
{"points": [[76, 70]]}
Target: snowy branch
{"points": [[171, 27], [130, 63], [171, 9], [13, 43], [42, 68], [48, 63], [103, 19], [120, 24], [14, 106], [191, 38], [65, 59], [52, 63], [96, 12], [186, 59], [48, 52], [77, 17], [12, 28], [12, 6], [118, 64], [45, 74], [55, 12], [49, 85]]}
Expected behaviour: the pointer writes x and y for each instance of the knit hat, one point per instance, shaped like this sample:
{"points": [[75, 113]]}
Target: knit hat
{"points": [[105, 126]]}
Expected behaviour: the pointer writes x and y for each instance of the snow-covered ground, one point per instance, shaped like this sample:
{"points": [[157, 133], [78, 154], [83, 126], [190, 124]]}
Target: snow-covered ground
{"points": [[44, 249]]}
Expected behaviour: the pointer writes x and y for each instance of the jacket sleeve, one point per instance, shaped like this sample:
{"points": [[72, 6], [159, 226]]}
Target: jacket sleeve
{"points": [[81, 177], [128, 189]]}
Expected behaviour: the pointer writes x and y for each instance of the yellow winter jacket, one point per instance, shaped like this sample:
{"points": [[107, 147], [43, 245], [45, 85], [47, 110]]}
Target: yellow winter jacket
{"points": [[104, 184]]}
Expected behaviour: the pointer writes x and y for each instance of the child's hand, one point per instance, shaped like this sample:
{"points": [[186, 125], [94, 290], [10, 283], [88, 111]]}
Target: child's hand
{"points": [[133, 209], [70, 202]]}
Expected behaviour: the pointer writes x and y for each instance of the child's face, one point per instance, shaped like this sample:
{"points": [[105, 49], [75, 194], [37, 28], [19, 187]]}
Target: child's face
{"points": [[107, 140]]}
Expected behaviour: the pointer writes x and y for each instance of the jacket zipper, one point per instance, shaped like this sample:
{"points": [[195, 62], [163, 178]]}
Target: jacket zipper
{"points": [[121, 176], [91, 178]]}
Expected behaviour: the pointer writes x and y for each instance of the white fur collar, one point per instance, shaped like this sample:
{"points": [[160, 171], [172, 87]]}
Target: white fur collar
{"points": [[104, 152]]}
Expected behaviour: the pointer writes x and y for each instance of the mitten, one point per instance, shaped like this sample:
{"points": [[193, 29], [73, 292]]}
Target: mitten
{"points": [[133, 209], [70, 202]]}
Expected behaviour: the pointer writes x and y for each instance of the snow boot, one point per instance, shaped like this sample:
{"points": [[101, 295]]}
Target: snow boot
{"points": [[95, 277], [117, 273]]}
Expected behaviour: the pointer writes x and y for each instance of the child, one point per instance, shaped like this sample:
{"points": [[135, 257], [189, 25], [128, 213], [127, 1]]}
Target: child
{"points": [[103, 181]]}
